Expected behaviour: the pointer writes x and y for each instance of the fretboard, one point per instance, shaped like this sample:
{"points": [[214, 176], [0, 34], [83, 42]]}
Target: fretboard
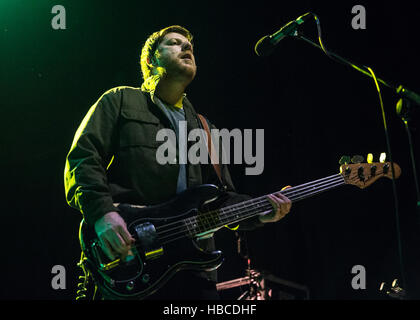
{"points": [[213, 220], [244, 210]]}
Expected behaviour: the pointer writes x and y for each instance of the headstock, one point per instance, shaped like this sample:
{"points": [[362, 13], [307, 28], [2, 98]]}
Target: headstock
{"points": [[393, 290], [363, 175]]}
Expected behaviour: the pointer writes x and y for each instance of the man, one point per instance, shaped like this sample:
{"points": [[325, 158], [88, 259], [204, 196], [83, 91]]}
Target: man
{"points": [[113, 155]]}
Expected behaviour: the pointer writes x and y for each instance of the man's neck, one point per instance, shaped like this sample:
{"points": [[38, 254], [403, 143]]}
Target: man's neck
{"points": [[171, 92]]}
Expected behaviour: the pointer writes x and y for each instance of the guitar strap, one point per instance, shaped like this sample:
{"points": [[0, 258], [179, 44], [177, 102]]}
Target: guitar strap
{"points": [[210, 146]]}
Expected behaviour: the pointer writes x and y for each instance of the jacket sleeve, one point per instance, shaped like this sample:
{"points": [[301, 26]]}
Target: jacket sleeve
{"points": [[85, 180]]}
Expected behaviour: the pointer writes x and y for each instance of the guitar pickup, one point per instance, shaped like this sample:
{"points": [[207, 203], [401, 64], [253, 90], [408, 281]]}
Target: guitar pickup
{"points": [[147, 236], [154, 254]]}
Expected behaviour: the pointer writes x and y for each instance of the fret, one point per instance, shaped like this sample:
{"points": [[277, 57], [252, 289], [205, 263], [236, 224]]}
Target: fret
{"points": [[189, 223], [256, 206], [208, 222], [306, 192], [250, 208], [243, 211], [195, 225], [188, 228]]}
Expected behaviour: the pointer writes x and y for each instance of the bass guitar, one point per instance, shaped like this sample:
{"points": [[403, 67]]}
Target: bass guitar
{"points": [[166, 234]]}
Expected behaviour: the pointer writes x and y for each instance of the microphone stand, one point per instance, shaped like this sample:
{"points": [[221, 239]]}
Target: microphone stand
{"points": [[405, 107], [408, 101], [399, 89], [405, 112]]}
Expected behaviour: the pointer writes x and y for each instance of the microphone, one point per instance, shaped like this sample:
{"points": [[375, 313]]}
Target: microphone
{"points": [[408, 94], [267, 43]]}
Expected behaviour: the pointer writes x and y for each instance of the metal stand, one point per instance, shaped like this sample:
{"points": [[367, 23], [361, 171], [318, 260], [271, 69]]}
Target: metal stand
{"points": [[265, 286], [405, 112], [407, 96], [262, 285], [409, 100], [256, 286]]}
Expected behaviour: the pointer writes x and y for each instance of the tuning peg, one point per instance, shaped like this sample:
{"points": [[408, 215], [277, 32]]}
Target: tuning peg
{"points": [[382, 157], [369, 158], [357, 159], [397, 291], [382, 287], [344, 160]]}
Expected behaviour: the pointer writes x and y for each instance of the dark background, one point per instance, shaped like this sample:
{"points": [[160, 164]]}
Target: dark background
{"points": [[313, 111]]}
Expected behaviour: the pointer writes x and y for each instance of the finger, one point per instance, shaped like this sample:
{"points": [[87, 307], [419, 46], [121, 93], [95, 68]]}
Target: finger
{"points": [[283, 204], [282, 199], [276, 202], [126, 236], [125, 252], [129, 256], [281, 196], [106, 248], [129, 241], [273, 201], [117, 243], [274, 214]]}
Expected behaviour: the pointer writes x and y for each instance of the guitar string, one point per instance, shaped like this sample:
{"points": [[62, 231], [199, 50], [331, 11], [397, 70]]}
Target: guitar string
{"points": [[225, 213], [249, 213], [168, 238], [285, 192], [324, 187], [186, 232], [183, 234], [235, 207], [288, 190]]}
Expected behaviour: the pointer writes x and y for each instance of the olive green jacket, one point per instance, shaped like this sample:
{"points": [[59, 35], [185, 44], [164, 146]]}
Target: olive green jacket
{"points": [[113, 157]]}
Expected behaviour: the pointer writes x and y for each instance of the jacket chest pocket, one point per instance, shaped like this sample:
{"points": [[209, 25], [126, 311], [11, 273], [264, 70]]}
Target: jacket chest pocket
{"points": [[138, 128]]}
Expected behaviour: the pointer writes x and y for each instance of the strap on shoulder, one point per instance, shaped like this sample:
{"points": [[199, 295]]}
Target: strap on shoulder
{"points": [[210, 146]]}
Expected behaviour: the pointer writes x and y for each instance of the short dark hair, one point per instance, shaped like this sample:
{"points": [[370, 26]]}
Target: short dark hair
{"points": [[148, 52]]}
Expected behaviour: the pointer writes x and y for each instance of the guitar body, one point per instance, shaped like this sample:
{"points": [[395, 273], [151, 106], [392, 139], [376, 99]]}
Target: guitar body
{"points": [[155, 260]]}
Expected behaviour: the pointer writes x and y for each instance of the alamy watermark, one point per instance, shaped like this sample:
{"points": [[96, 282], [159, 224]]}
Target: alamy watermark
{"points": [[359, 20], [198, 153], [359, 280], [59, 20], [59, 280]]}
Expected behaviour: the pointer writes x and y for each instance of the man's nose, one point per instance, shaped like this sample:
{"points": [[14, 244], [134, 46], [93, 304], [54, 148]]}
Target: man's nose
{"points": [[186, 46]]}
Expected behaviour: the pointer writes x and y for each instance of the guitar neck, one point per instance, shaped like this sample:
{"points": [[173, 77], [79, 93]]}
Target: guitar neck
{"points": [[257, 206]]}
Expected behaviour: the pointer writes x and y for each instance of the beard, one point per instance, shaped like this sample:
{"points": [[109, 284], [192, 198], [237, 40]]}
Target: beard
{"points": [[180, 69]]}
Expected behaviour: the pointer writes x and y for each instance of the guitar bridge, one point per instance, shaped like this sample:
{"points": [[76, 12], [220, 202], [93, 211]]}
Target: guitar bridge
{"points": [[97, 252], [110, 266]]}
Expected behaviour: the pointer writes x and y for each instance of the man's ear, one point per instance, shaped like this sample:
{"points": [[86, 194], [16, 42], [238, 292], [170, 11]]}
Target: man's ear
{"points": [[151, 62], [154, 60]]}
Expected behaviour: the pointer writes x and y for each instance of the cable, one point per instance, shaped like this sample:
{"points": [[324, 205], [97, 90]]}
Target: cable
{"points": [[82, 286]]}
